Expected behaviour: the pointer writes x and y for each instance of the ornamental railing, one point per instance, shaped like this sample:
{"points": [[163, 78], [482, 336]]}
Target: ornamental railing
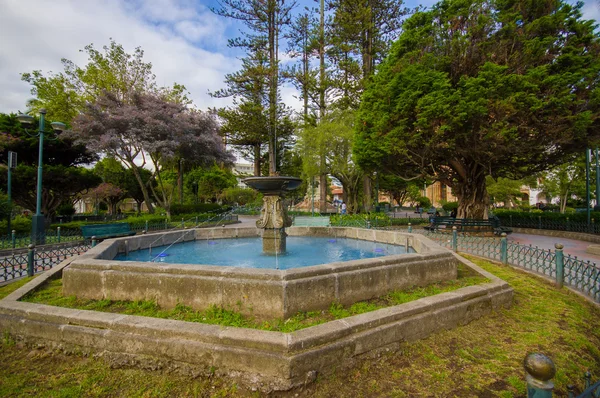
{"points": [[582, 276], [33, 260]]}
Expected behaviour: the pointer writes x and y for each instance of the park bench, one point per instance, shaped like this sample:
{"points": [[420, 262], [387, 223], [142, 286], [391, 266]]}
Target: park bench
{"points": [[105, 231], [311, 222], [467, 225]]}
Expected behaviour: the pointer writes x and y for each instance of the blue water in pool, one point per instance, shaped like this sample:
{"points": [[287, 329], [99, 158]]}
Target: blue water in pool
{"points": [[302, 251]]}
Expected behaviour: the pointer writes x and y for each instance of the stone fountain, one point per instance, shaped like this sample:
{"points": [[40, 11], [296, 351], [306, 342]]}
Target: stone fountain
{"points": [[273, 217]]}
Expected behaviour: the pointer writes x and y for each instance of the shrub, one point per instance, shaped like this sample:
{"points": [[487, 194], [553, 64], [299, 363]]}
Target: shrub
{"points": [[424, 201], [66, 209], [449, 206], [20, 224]]}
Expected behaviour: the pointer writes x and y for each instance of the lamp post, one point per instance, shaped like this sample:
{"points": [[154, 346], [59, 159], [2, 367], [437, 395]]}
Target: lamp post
{"points": [[376, 192], [597, 206], [587, 185], [38, 231]]}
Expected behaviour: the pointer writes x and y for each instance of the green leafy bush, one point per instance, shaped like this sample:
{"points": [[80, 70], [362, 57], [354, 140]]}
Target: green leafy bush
{"points": [[449, 206], [424, 202], [21, 224], [360, 220], [412, 221]]}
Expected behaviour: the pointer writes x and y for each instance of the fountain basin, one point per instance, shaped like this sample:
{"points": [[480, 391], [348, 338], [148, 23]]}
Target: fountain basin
{"points": [[275, 185], [262, 293], [260, 359]]}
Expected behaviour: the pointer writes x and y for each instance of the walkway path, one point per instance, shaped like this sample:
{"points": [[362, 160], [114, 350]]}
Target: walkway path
{"points": [[571, 246]]}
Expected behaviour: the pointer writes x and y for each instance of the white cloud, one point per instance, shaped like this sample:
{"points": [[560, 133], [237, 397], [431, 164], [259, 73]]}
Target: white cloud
{"points": [[591, 10], [183, 39], [36, 34]]}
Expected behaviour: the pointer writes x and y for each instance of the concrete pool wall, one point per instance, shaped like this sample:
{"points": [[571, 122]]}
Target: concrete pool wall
{"points": [[262, 293], [259, 359]]}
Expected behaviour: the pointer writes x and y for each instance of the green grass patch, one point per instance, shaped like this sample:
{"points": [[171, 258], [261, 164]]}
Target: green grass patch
{"points": [[481, 359], [51, 294], [10, 287]]}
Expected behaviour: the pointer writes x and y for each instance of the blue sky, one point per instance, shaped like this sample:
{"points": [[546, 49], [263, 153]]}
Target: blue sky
{"points": [[183, 39]]}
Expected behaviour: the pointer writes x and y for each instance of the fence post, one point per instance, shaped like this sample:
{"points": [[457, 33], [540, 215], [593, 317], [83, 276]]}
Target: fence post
{"points": [[166, 223], [196, 221], [454, 239], [539, 371], [14, 238], [504, 248], [560, 265], [409, 228], [146, 227], [510, 219], [539, 222], [58, 234], [94, 241], [30, 259], [182, 223], [568, 228]]}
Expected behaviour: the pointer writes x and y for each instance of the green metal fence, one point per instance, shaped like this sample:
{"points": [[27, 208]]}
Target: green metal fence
{"points": [[538, 222], [582, 276], [21, 258], [34, 260]]}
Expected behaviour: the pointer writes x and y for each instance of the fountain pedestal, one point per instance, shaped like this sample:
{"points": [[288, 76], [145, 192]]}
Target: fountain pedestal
{"points": [[273, 221], [273, 218]]}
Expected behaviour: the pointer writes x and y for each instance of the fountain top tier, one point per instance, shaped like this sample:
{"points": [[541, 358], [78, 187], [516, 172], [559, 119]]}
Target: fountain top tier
{"points": [[274, 185]]}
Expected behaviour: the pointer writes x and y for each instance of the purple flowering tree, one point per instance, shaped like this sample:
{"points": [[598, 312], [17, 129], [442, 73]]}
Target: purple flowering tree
{"points": [[148, 131]]}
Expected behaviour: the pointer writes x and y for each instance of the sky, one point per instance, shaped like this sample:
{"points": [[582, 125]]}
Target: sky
{"points": [[185, 42]]}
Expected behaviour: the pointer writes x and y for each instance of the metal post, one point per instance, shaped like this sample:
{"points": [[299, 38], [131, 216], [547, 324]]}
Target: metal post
{"points": [[504, 248], [94, 241], [376, 191], [146, 227], [539, 371], [312, 209], [9, 188], [539, 222], [58, 234], [30, 259], [14, 238], [560, 265], [166, 224], [196, 220], [37, 221], [454, 239], [597, 207], [182, 223], [409, 228], [587, 186]]}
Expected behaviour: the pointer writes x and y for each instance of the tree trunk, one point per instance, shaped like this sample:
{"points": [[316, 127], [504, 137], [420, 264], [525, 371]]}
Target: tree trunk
{"points": [[323, 193], [256, 160], [368, 193], [138, 177], [471, 191]]}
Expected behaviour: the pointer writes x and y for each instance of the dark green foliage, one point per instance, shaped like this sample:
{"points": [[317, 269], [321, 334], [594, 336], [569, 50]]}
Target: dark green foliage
{"points": [[424, 202], [241, 196], [476, 88], [449, 206], [66, 209], [20, 224]]}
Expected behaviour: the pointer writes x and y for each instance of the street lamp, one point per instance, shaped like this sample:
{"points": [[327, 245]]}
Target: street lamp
{"points": [[38, 231], [376, 192]]}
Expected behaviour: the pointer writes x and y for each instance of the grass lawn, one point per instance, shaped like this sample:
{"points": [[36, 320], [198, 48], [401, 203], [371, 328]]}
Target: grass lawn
{"points": [[481, 359]]}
